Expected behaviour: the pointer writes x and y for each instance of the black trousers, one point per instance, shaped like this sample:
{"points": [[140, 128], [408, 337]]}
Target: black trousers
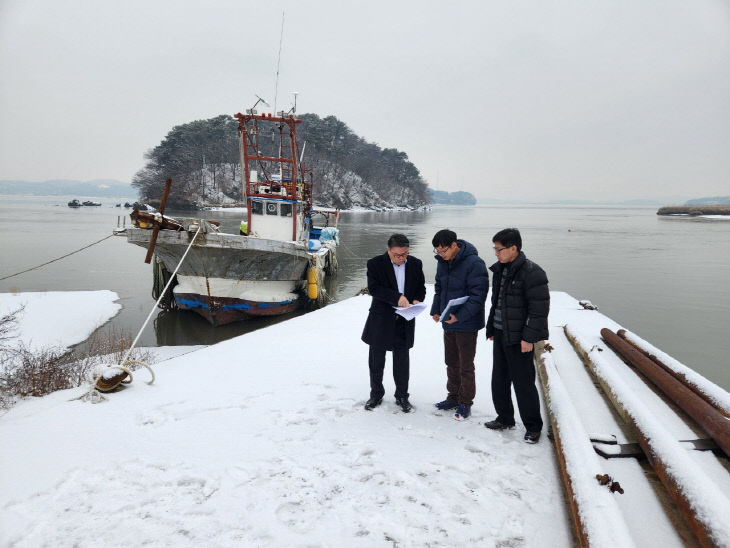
{"points": [[401, 366], [512, 367]]}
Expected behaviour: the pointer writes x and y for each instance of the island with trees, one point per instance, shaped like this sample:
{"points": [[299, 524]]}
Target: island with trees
{"points": [[203, 159], [713, 205], [452, 198]]}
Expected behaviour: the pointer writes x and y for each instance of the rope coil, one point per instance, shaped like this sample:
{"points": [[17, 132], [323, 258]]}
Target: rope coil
{"points": [[100, 381]]}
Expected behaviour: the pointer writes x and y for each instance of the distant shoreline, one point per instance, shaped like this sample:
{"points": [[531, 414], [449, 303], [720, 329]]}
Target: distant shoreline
{"points": [[694, 210]]}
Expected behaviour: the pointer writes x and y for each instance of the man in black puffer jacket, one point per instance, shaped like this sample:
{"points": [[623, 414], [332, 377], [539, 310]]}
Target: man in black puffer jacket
{"points": [[517, 320], [460, 273]]}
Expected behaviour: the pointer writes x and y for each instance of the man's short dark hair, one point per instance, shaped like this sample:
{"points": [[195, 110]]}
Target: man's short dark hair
{"points": [[398, 240], [444, 238], [509, 237]]}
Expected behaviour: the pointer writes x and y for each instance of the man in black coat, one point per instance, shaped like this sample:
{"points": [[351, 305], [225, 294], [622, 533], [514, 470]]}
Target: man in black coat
{"points": [[394, 279], [517, 320]]}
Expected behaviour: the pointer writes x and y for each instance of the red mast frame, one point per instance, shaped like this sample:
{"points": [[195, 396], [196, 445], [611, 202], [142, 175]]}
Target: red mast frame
{"points": [[248, 131]]}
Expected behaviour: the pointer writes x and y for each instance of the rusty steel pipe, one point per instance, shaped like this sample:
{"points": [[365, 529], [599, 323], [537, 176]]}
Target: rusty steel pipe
{"points": [[676, 374], [580, 529], [712, 421], [701, 528]]}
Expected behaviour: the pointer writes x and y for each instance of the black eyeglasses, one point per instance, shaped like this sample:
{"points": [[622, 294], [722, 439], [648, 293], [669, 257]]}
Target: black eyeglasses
{"points": [[442, 252], [400, 255], [498, 250]]}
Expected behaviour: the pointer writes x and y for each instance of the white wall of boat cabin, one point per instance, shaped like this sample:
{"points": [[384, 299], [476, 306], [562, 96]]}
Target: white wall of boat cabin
{"points": [[275, 227]]}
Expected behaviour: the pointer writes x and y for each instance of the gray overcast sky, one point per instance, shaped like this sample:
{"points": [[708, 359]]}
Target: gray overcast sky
{"points": [[545, 98]]}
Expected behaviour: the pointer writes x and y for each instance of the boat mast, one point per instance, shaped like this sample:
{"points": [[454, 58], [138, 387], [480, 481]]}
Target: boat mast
{"points": [[245, 136], [249, 130]]}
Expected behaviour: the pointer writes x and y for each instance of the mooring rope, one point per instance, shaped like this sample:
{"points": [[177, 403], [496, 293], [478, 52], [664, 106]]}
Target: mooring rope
{"points": [[93, 395], [348, 250], [57, 259], [172, 277]]}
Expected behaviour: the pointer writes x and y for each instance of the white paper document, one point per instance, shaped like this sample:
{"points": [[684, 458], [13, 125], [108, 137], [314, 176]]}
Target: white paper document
{"points": [[453, 307], [410, 312]]}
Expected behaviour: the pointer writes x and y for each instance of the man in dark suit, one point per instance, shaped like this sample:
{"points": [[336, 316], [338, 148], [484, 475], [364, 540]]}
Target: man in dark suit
{"points": [[394, 279]]}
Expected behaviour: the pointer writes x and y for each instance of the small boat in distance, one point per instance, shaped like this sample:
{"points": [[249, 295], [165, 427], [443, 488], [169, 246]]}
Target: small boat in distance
{"points": [[77, 203], [278, 263]]}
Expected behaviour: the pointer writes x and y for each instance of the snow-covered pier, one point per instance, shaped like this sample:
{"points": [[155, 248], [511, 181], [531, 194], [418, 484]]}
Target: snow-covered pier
{"points": [[262, 440], [598, 403]]}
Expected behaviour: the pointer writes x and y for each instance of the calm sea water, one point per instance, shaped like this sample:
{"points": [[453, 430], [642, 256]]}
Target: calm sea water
{"points": [[666, 279]]}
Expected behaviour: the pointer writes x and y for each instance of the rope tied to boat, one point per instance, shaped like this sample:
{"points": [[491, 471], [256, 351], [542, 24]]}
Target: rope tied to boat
{"points": [[56, 259], [106, 378]]}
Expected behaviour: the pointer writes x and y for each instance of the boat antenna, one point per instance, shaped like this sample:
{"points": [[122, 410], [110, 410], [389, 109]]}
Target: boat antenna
{"points": [[278, 61], [252, 110]]}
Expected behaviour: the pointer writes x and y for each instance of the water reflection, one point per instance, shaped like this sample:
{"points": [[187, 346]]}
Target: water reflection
{"points": [[184, 327]]}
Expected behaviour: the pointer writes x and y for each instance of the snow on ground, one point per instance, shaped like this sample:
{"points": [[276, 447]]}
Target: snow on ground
{"points": [[58, 318], [262, 440], [166, 353]]}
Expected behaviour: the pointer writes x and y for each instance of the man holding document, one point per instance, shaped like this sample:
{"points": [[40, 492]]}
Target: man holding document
{"points": [[396, 283], [461, 288]]}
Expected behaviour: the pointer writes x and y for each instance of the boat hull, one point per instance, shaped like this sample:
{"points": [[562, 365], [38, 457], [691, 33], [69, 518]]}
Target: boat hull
{"points": [[226, 256], [227, 277], [223, 310], [222, 301]]}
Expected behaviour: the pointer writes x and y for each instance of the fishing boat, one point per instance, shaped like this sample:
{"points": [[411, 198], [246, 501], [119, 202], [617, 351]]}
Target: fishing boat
{"points": [[278, 264]]}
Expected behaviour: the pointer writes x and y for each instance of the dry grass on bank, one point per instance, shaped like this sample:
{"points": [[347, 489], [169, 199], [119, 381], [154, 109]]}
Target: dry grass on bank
{"points": [[26, 371]]}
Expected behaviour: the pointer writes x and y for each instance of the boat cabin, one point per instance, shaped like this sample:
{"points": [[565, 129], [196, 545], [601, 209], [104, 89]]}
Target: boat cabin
{"points": [[271, 211]]}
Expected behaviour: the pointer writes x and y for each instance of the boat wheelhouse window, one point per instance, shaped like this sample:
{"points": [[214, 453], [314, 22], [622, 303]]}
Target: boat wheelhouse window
{"points": [[257, 207], [271, 208], [285, 210]]}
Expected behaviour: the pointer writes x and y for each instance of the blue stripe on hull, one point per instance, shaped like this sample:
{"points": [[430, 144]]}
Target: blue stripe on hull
{"points": [[191, 304]]}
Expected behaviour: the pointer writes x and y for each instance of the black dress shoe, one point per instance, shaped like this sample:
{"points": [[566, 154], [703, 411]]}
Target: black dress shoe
{"points": [[372, 403], [404, 404], [497, 425], [532, 437]]}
